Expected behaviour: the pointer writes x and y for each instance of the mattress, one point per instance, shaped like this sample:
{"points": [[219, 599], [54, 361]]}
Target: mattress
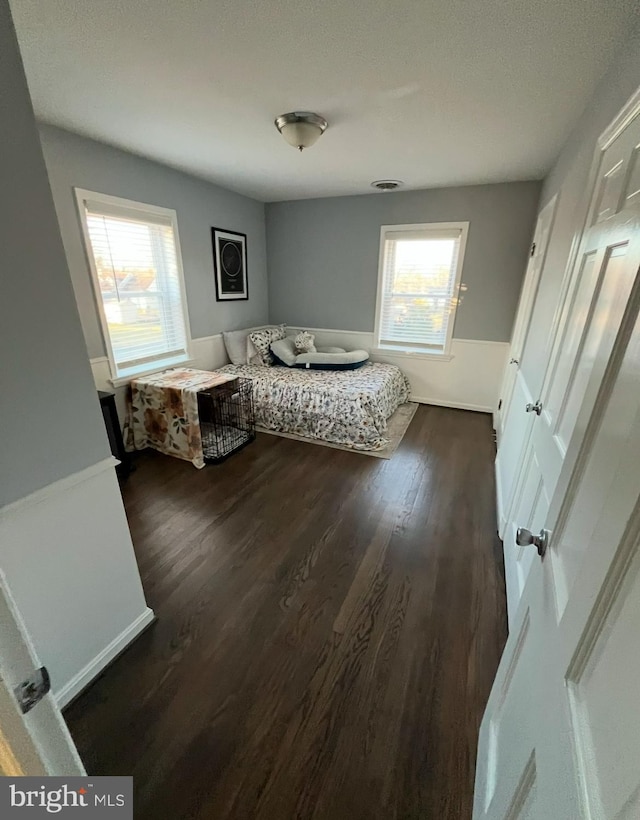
{"points": [[343, 407]]}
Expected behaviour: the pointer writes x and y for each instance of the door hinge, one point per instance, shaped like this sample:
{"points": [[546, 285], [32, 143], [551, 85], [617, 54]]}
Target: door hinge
{"points": [[33, 689], [500, 405], [533, 249]]}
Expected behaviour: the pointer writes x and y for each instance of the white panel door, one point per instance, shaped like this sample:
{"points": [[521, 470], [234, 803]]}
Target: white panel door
{"points": [[597, 292], [530, 509], [560, 738], [525, 306], [39, 742], [512, 427], [561, 734], [515, 435]]}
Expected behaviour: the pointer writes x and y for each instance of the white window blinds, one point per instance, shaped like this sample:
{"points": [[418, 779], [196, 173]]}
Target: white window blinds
{"points": [[138, 280], [417, 289]]}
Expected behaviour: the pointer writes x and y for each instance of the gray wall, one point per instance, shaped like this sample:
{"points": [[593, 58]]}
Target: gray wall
{"points": [[323, 254], [569, 179], [50, 419], [73, 161]]}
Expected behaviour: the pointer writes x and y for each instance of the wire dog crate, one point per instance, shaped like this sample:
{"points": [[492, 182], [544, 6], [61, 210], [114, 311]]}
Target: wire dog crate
{"points": [[227, 420]]}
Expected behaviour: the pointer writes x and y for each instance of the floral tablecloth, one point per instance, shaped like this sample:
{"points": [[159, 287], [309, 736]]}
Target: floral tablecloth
{"points": [[163, 412]]}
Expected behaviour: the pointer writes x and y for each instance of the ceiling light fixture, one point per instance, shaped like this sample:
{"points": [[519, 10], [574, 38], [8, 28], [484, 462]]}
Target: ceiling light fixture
{"points": [[301, 128], [386, 184]]}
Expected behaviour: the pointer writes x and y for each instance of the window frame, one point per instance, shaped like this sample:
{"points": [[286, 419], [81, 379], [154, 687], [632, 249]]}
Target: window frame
{"points": [[144, 368], [402, 349]]}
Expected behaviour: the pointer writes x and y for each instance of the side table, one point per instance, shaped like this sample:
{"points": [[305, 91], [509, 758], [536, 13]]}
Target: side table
{"points": [[112, 425]]}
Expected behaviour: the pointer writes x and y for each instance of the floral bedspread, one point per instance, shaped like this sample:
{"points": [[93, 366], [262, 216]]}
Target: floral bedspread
{"points": [[348, 407], [163, 412]]}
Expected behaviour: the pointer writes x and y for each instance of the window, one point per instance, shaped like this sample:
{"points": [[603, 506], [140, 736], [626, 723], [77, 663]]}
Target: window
{"points": [[134, 255], [418, 284]]}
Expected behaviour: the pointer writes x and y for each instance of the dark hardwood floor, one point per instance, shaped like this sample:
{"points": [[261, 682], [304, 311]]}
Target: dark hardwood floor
{"points": [[328, 629]]}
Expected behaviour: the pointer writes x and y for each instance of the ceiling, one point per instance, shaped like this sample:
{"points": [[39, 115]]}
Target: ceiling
{"points": [[432, 92]]}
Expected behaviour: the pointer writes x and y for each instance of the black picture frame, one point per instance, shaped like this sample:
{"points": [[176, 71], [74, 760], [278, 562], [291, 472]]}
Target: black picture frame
{"points": [[230, 265]]}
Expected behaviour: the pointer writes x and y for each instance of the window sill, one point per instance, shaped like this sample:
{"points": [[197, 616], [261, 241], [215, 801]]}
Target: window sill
{"points": [[136, 373], [412, 354]]}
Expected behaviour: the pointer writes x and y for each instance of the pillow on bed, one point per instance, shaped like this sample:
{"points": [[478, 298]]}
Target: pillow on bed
{"points": [[262, 340], [235, 342], [304, 342]]}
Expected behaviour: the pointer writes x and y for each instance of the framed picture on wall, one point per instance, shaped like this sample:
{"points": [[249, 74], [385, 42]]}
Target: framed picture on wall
{"points": [[230, 264]]}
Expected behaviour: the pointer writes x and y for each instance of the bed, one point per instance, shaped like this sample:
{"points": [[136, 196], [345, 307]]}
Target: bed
{"points": [[350, 408]]}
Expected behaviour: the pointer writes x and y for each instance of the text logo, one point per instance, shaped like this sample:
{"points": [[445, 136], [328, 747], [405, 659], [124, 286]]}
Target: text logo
{"points": [[77, 797]]}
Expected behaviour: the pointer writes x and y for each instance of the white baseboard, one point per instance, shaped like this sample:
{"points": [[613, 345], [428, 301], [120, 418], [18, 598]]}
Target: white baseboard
{"points": [[67, 556], [477, 408], [83, 678]]}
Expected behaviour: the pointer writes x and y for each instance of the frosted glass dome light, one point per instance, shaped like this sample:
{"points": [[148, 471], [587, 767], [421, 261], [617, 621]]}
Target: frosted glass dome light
{"points": [[301, 129]]}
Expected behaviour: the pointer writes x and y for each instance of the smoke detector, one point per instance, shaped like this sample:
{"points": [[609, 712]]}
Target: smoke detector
{"points": [[387, 184]]}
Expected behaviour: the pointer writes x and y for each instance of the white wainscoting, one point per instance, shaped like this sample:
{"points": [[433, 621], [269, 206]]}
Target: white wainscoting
{"points": [[469, 379], [67, 555], [208, 354]]}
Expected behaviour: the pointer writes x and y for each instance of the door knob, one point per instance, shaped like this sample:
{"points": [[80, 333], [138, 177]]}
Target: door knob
{"points": [[534, 408], [525, 537]]}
